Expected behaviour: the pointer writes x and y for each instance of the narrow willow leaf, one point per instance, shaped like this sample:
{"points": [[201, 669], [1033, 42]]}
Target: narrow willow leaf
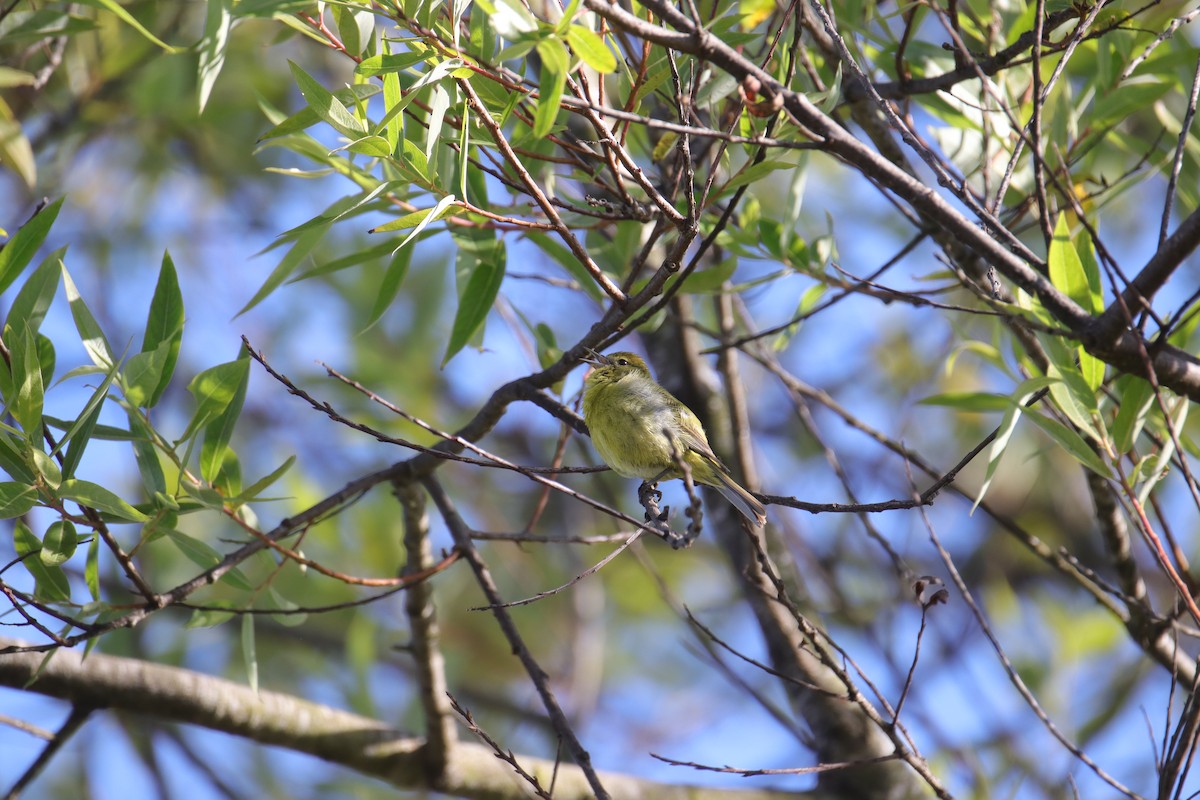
{"points": [[114, 7], [37, 293], [389, 287], [217, 24], [214, 389], [12, 455], [20, 249], [249, 651], [370, 146], [439, 104], [389, 63], [476, 302], [91, 570], [96, 496], [306, 117], [326, 106], [94, 341], [970, 401], [711, 280], [553, 80], [1004, 432], [392, 94], [304, 245], [81, 434], [142, 374], [16, 499], [164, 326], [591, 49], [435, 213], [219, 431], [154, 482], [52, 583], [1092, 370], [1003, 435], [259, 486], [1073, 443], [753, 173], [1176, 418], [1066, 268], [1136, 398], [212, 616], [26, 406]]}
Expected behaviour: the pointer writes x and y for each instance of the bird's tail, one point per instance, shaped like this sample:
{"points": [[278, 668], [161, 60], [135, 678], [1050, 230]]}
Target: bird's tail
{"points": [[742, 500]]}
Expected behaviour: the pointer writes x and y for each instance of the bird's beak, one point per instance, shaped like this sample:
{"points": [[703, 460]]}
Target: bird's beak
{"points": [[595, 359]]}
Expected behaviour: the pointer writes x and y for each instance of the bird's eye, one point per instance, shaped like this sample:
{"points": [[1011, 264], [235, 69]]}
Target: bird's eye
{"points": [[622, 362]]}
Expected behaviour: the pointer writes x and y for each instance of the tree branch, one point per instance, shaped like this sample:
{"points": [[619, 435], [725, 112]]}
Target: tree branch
{"points": [[340, 737]]}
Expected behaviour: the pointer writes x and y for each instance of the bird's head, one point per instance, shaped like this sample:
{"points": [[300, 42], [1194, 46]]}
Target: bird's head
{"points": [[613, 367]]}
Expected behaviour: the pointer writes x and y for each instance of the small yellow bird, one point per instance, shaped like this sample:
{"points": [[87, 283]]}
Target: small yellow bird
{"points": [[634, 423]]}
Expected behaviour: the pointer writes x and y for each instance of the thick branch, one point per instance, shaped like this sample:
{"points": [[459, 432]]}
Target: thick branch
{"points": [[360, 743]]}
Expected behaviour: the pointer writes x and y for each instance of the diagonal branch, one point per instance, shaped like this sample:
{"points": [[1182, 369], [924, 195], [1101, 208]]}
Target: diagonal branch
{"points": [[365, 745]]}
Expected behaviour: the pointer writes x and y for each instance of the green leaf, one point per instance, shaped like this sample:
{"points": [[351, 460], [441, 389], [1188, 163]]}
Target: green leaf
{"points": [[214, 389], [1136, 398], [123, 15], [1091, 368], [47, 467], [754, 172], [249, 651], [81, 430], [142, 374], [553, 80], [52, 583], [20, 249], [26, 405], [591, 49], [1066, 268], [59, 543], [146, 456], [1175, 418], [420, 219], [218, 432], [389, 63], [371, 146], [16, 499], [205, 557], [1115, 106], [306, 117], [91, 570], [12, 456], [326, 106], [164, 327], [389, 287], [211, 617], [978, 402], [1073, 443], [95, 496], [94, 341], [1004, 431], [711, 280], [218, 23], [259, 486], [476, 301], [304, 245], [37, 293]]}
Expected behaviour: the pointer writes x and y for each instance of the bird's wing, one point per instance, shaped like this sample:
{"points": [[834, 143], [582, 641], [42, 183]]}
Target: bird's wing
{"points": [[692, 434]]}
